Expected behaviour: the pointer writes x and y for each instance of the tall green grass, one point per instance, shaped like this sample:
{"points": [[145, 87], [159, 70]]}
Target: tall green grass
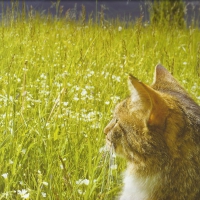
{"points": [[59, 82]]}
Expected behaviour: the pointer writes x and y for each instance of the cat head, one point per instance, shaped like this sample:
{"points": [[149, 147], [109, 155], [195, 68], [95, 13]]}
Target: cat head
{"points": [[145, 125]]}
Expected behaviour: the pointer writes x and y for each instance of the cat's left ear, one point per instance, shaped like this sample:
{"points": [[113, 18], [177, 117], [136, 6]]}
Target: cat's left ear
{"points": [[150, 101]]}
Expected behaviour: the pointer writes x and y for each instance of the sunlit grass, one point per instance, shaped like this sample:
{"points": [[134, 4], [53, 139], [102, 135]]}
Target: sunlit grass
{"points": [[59, 83]]}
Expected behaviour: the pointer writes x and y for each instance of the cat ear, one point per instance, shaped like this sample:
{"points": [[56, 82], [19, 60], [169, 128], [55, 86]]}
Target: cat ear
{"points": [[163, 80], [152, 103], [138, 92], [161, 75]]}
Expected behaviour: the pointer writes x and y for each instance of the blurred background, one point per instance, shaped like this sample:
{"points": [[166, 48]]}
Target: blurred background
{"points": [[124, 10]]}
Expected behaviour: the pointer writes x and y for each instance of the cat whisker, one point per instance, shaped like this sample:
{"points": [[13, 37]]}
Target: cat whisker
{"points": [[109, 164], [104, 161], [112, 163], [112, 158]]}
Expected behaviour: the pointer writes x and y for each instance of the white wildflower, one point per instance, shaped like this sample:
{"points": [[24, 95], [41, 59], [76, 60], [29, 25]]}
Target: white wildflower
{"points": [[77, 88], [104, 149], [23, 151], [21, 183], [76, 98], [83, 182], [115, 99], [119, 28], [61, 166], [45, 183], [44, 194], [107, 102], [11, 162], [5, 175], [43, 76], [184, 81], [84, 92], [95, 126], [116, 78], [47, 125], [25, 69], [23, 193], [65, 103], [60, 116], [91, 73], [81, 191]]}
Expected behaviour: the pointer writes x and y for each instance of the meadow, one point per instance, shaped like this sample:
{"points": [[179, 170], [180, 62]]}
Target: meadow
{"points": [[60, 80]]}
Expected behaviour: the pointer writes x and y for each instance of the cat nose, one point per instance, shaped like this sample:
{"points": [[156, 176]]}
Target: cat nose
{"points": [[106, 130]]}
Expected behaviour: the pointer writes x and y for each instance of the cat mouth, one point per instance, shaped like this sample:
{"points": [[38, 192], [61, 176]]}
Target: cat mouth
{"points": [[109, 144]]}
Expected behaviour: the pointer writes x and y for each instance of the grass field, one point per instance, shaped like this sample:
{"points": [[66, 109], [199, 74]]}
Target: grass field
{"points": [[59, 83]]}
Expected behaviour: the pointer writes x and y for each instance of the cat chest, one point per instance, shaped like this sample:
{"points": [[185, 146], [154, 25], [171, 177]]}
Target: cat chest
{"points": [[138, 188]]}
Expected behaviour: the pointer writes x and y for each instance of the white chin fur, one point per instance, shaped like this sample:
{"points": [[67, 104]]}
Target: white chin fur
{"points": [[138, 188]]}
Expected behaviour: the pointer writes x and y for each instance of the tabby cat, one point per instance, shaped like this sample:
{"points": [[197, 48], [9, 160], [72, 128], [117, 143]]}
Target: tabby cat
{"points": [[157, 130]]}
